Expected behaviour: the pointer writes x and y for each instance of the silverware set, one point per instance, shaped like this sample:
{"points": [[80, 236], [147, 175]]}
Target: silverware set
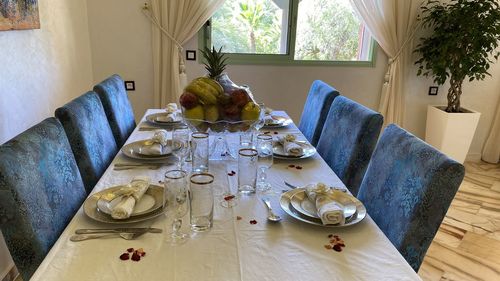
{"points": [[132, 166], [129, 233]]}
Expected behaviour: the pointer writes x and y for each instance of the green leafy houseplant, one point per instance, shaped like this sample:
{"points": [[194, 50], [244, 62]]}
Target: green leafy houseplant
{"points": [[465, 34]]}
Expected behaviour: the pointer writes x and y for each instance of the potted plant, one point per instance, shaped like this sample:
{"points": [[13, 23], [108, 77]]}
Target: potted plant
{"points": [[464, 40]]}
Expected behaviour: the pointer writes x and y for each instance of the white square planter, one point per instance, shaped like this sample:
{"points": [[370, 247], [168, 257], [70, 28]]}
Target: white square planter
{"points": [[451, 133]]}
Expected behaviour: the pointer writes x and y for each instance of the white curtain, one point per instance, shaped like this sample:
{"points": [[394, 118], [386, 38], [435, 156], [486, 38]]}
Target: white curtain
{"points": [[392, 23], [174, 23], [491, 150]]}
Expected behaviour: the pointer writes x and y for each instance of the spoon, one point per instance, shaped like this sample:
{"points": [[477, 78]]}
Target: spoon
{"points": [[271, 215], [124, 235]]}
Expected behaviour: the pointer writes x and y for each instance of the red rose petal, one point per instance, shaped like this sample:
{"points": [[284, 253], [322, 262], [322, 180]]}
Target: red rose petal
{"points": [[229, 197], [331, 235], [130, 250], [124, 256], [238, 218], [291, 166], [275, 133], [136, 256], [335, 247], [253, 222], [328, 247], [298, 167]]}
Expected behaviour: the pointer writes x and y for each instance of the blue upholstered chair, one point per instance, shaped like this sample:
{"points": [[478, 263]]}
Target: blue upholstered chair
{"points": [[40, 191], [348, 139], [319, 99], [407, 190], [90, 136], [117, 107]]}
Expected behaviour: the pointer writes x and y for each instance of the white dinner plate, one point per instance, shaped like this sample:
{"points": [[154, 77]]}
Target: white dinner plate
{"points": [[279, 152], [146, 205], [134, 150], [286, 205], [277, 122], [91, 209], [302, 204], [153, 118]]}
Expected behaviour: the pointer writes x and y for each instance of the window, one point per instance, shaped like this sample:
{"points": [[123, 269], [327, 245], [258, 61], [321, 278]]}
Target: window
{"points": [[289, 32]]}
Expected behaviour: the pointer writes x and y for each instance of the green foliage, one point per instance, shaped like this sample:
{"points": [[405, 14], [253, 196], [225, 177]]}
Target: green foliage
{"points": [[247, 26], [330, 31], [465, 34], [215, 61]]}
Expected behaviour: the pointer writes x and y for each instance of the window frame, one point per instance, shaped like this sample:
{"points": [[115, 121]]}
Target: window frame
{"points": [[204, 40]]}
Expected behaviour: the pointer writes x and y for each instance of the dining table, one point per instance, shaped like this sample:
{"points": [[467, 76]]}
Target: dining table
{"points": [[241, 245]]}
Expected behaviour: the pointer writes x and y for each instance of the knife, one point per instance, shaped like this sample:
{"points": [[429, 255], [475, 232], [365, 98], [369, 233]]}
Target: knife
{"points": [[119, 230]]}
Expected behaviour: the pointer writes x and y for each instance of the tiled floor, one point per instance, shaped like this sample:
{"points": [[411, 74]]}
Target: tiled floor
{"points": [[467, 246]]}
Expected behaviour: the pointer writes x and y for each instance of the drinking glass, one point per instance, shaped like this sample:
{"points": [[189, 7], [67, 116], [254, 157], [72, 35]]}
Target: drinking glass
{"points": [[262, 115], [202, 202], [246, 139], [247, 170], [265, 153], [199, 148], [175, 196], [180, 137]]}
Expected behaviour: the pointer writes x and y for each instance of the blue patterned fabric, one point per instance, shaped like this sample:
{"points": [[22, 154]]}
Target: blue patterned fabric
{"points": [[117, 107], [40, 191], [319, 99], [407, 190], [90, 136], [348, 139]]}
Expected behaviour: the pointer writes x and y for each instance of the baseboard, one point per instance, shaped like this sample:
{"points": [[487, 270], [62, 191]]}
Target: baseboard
{"points": [[473, 157], [11, 273]]}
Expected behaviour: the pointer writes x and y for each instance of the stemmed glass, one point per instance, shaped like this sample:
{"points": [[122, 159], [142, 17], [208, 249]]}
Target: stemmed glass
{"points": [[176, 201], [262, 115], [180, 136], [265, 153]]}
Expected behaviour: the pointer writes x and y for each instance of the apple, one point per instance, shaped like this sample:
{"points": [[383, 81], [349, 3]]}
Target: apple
{"points": [[188, 100], [239, 97], [232, 112]]}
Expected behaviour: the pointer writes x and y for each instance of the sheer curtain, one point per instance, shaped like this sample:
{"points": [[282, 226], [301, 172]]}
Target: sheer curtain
{"points": [[174, 23], [393, 24], [491, 150]]}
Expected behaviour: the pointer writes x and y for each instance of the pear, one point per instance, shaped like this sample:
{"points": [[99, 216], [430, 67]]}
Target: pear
{"points": [[211, 113], [250, 111], [195, 114]]}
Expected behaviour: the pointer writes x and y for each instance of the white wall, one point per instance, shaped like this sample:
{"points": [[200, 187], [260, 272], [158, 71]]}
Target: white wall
{"points": [[41, 70], [120, 38]]}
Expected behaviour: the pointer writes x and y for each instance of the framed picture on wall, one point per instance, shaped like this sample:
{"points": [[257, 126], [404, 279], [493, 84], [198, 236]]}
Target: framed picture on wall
{"points": [[19, 14]]}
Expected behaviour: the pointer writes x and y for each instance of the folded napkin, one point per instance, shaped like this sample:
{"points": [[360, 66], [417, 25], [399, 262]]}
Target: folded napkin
{"points": [[269, 120], [132, 193], [171, 108], [171, 117], [290, 146], [158, 141], [329, 203]]}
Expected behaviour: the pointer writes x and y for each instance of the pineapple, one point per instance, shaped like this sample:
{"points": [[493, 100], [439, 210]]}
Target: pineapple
{"points": [[215, 62]]}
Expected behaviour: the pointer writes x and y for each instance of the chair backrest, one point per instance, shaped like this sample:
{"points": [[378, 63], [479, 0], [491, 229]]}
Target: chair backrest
{"points": [[40, 191], [319, 99], [117, 107], [90, 136], [348, 138], [407, 190]]}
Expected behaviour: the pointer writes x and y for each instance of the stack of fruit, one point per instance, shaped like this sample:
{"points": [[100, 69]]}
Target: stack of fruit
{"points": [[217, 103]]}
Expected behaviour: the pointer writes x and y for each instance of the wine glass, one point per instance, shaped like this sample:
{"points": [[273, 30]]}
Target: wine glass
{"points": [[175, 196], [265, 153], [180, 136], [262, 115]]}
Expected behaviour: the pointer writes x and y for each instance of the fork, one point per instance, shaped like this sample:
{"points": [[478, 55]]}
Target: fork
{"points": [[124, 235]]}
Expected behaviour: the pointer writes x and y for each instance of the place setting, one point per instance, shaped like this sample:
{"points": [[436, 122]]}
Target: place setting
{"points": [[276, 121], [168, 118], [288, 147], [159, 147], [321, 205]]}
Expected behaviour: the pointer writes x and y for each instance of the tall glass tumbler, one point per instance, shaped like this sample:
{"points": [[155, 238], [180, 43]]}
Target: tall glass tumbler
{"points": [[202, 202], [175, 196], [247, 170], [265, 150], [199, 149]]}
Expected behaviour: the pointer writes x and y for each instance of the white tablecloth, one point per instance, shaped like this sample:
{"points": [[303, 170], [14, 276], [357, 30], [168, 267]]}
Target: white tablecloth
{"points": [[233, 249]]}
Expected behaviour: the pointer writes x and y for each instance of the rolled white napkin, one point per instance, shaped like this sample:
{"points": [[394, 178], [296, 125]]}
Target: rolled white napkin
{"points": [[136, 190], [171, 108], [171, 117], [328, 203], [159, 140], [269, 120], [290, 146]]}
